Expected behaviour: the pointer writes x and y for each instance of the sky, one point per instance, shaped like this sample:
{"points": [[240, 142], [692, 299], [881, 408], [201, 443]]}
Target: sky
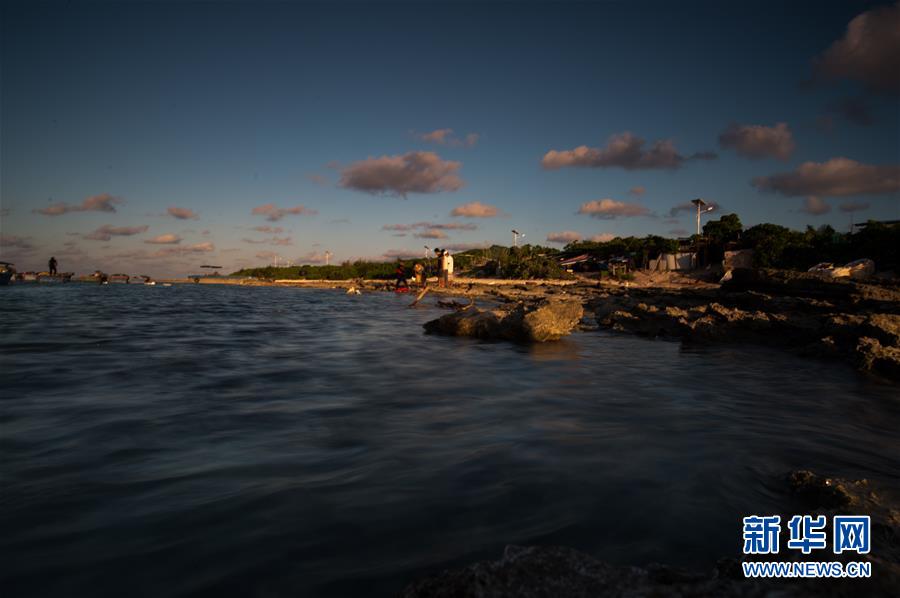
{"points": [[155, 137]]}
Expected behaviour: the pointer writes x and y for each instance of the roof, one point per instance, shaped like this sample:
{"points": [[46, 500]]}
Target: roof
{"points": [[885, 222], [574, 260]]}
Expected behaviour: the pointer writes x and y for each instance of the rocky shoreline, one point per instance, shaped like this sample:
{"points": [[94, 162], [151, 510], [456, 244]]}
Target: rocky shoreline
{"points": [[857, 322], [555, 571]]}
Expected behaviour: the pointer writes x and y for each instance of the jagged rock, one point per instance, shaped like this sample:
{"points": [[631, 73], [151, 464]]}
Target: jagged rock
{"points": [[560, 572], [471, 322], [542, 321], [546, 321], [884, 327], [831, 496], [864, 332], [873, 356], [817, 491]]}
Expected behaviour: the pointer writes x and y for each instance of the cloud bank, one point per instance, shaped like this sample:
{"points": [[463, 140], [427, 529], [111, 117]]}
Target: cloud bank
{"points": [[475, 209], [107, 232], [95, 203], [623, 150], [868, 53], [169, 239], [182, 213], [446, 137], [608, 209], [834, 178], [431, 225], [564, 237], [274, 213], [636, 191], [759, 141], [413, 172]]}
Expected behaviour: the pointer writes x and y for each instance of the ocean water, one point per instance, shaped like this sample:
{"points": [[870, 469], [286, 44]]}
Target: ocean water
{"points": [[214, 440]]}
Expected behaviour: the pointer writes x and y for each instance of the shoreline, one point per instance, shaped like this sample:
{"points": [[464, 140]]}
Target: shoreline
{"points": [[855, 321]]}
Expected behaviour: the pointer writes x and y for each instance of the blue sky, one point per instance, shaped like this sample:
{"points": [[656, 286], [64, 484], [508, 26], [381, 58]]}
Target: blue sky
{"points": [[220, 108]]}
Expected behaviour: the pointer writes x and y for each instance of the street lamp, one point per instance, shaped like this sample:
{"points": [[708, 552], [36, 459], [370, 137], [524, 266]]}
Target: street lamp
{"points": [[328, 255], [427, 250], [516, 235], [702, 208]]}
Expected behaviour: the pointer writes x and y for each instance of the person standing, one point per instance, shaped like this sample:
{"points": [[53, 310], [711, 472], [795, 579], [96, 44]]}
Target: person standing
{"points": [[400, 274], [419, 271], [51, 266], [448, 269], [442, 271]]}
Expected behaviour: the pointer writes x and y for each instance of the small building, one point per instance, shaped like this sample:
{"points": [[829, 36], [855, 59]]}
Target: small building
{"points": [[673, 261]]}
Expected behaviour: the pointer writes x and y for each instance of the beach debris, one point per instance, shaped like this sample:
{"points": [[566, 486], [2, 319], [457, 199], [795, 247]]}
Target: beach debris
{"points": [[456, 305], [857, 269]]}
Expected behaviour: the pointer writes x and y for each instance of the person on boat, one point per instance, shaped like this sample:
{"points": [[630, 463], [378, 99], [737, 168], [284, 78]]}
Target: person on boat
{"points": [[419, 271], [51, 266]]}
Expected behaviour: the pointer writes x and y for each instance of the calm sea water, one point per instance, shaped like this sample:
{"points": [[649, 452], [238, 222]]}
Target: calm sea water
{"points": [[203, 440]]}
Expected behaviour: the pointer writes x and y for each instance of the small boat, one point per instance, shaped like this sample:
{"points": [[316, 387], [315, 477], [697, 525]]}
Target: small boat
{"points": [[97, 277], [27, 277], [45, 277], [119, 278], [6, 273]]}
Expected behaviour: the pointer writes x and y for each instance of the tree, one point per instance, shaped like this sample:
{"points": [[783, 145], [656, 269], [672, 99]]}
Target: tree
{"points": [[768, 242], [725, 229]]}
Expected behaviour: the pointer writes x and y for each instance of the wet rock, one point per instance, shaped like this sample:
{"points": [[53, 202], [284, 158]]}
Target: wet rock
{"points": [[560, 572], [884, 327], [864, 332], [541, 321], [472, 322], [818, 491], [872, 356], [545, 321], [831, 496]]}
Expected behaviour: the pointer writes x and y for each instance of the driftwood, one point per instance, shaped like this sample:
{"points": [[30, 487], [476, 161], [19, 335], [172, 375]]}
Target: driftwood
{"points": [[456, 305], [419, 296]]}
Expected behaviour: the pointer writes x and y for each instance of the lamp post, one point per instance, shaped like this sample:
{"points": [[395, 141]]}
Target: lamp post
{"points": [[702, 207], [516, 235], [328, 255]]}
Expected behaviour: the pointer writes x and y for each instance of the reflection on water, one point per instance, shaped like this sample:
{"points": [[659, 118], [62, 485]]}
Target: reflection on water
{"points": [[266, 441]]}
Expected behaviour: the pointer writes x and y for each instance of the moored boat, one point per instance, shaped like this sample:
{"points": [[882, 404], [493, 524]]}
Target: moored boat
{"points": [[6, 273], [119, 278], [97, 277]]}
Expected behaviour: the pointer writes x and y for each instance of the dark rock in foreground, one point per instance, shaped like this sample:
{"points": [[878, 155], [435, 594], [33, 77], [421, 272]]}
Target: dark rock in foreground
{"points": [[844, 319], [558, 572], [545, 320]]}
